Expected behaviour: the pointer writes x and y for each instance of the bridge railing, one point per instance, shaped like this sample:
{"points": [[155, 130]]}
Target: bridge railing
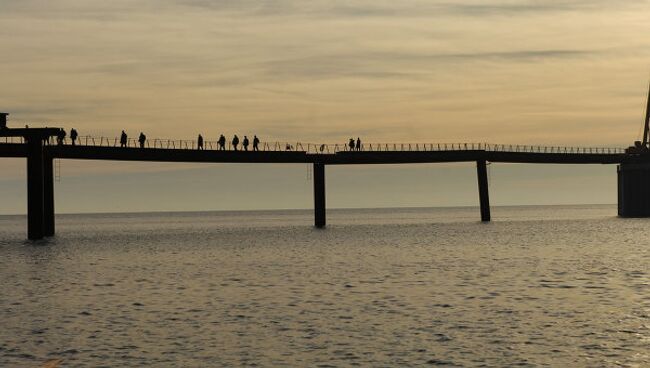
{"points": [[553, 149], [328, 148], [13, 140], [439, 147], [182, 144]]}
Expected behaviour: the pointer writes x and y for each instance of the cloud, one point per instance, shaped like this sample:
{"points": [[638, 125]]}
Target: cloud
{"points": [[400, 65], [320, 9], [412, 8], [523, 7]]}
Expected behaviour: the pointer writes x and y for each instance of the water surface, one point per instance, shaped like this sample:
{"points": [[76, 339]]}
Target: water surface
{"points": [[539, 286]]}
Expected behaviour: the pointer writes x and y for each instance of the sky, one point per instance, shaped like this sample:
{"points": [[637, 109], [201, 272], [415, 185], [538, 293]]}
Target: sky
{"points": [[571, 72]]}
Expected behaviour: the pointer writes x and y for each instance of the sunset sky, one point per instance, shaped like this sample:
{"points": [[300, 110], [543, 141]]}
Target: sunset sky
{"points": [[571, 72]]}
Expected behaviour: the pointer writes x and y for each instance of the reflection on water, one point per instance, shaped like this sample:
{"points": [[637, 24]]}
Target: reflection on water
{"points": [[560, 286]]}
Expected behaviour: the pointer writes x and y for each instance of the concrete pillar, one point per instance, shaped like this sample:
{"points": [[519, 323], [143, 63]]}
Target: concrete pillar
{"points": [[634, 190], [319, 195], [35, 183], [483, 192], [48, 196]]}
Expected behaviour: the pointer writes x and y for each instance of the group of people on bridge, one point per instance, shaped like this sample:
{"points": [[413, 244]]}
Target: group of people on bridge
{"points": [[353, 145], [221, 143], [200, 144], [124, 139], [60, 137]]}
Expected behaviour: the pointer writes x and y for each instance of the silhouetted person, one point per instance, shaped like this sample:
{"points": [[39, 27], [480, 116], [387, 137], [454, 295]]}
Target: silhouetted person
{"points": [[222, 143], [235, 142], [142, 138], [123, 139], [351, 144], [245, 143], [256, 143], [199, 142], [73, 136], [358, 144], [3, 120], [60, 137]]}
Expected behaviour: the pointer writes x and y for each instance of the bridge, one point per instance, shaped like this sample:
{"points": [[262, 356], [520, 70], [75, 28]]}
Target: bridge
{"points": [[39, 148]]}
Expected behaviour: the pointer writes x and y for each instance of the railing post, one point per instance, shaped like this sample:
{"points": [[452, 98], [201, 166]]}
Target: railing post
{"points": [[483, 193], [319, 195]]}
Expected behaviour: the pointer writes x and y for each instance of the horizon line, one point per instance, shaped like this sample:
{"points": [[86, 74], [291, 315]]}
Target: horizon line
{"points": [[310, 209]]}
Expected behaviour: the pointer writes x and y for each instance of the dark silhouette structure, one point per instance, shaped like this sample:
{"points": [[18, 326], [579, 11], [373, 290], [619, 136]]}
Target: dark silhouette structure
{"points": [[141, 139], [73, 136], [319, 195], [256, 144], [123, 139], [40, 183], [60, 138], [199, 142], [634, 178], [633, 165], [484, 197], [3, 120]]}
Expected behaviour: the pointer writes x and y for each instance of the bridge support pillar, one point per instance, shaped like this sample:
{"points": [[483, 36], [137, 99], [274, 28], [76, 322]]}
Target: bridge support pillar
{"points": [[35, 183], [48, 196], [483, 193], [633, 190], [319, 195]]}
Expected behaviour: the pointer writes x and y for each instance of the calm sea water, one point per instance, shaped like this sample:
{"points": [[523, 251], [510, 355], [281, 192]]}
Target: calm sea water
{"points": [[539, 286]]}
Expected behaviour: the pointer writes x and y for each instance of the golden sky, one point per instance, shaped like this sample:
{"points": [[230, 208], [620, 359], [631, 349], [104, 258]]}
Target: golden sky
{"points": [[556, 72], [542, 72]]}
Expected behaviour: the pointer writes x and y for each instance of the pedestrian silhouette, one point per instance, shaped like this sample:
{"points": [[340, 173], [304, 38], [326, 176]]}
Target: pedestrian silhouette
{"points": [[358, 144], [235, 142], [73, 135], [123, 139], [351, 144], [142, 139], [60, 137], [199, 142], [245, 143], [256, 143], [222, 143]]}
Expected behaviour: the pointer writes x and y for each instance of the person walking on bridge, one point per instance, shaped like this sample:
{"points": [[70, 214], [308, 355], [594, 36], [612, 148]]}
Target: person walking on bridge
{"points": [[60, 138], [199, 142], [351, 144], [222, 143], [245, 143], [73, 135], [235, 142], [256, 143], [142, 139], [358, 144], [123, 139]]}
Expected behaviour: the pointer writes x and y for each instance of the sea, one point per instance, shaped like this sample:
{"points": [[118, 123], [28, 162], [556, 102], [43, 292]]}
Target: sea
{"points": [[539, 286]]}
